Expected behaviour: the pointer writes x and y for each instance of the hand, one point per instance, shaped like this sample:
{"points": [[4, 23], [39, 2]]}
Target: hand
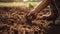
{"points": [[31, 16], [44, 17]]}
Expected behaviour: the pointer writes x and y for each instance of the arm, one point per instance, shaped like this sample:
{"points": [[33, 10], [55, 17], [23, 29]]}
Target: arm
{"points": [[40, 7]]}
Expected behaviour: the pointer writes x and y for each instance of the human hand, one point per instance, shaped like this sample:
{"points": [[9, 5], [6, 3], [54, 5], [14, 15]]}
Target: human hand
{"points": [[31, 16]]}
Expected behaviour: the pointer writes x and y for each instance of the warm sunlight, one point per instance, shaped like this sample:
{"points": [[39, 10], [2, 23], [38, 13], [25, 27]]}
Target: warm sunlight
{"points": [[25, 0]]}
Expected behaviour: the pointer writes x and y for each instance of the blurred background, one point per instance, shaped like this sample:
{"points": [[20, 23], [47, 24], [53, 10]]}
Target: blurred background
{"points": [[26, 3]]}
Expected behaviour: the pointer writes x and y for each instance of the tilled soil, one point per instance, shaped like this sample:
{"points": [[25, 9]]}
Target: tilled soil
{"points": [[13, 21]]}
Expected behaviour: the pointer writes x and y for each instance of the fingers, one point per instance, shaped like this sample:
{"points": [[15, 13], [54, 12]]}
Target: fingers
{"points": [[31, 16]]}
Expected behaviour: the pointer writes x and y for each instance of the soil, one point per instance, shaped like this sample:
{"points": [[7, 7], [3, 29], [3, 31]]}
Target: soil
{"points": [[13, 21]]}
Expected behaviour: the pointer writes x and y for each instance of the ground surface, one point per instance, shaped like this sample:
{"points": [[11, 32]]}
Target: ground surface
{"points": [[13, 21]]}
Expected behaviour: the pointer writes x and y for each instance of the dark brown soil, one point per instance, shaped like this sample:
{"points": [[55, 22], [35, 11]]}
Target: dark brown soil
{"points": [[13, 21]]}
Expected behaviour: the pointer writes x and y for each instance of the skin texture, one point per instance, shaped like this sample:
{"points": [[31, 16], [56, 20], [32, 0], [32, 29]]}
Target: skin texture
{"points": [[32, 14], [40, 7]]}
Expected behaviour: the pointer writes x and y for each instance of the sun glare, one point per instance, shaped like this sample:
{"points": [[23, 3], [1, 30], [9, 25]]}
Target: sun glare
{"points": [[25, 0]]}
